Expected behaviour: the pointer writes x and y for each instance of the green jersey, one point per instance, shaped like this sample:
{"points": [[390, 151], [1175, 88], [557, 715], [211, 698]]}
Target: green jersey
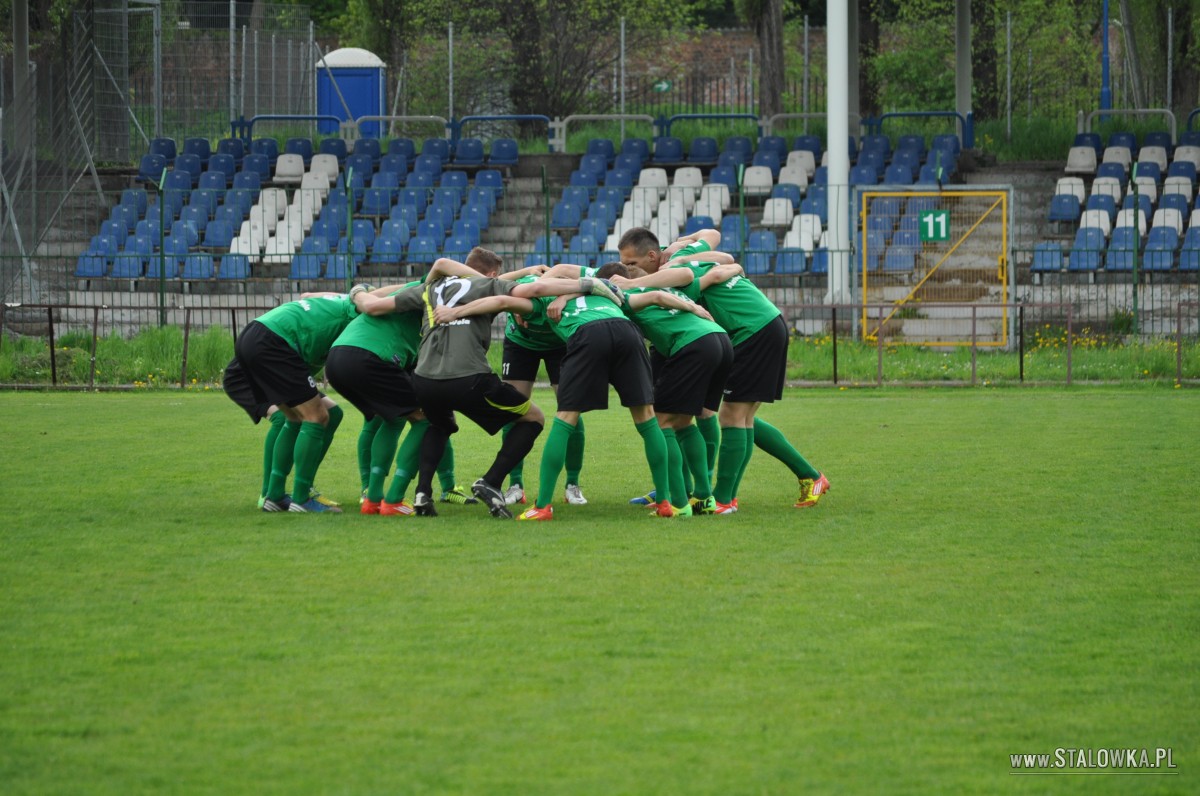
{"points": [[581, 310], [538, 334], [669, 330], [736, 304], [311, 325], [457, 349], [393, 338]]}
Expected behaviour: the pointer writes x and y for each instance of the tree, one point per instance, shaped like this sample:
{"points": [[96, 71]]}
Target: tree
{"points": [[766, 16]]}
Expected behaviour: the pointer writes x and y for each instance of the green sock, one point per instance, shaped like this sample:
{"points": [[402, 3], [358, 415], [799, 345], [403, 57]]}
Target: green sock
{"points": [[710, 430], [366, 438], [277, 421], [695, 459], [310, 448], [408, 461], [383, 449], [445, 470], [574, 460], [729, 463], [516, 476], [554, 454], [335, 419], [281, 462], [675, 469], [748, 434], [773, 443], [656, 456]]}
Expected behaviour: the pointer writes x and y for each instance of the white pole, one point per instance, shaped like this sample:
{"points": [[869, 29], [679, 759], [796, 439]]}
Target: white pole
{"points": [[806, 54], [450, 38], [837, 93], [1008, 76]]}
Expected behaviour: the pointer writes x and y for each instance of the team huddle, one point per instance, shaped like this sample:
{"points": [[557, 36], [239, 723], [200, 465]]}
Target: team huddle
{"points": [[416, 355]]}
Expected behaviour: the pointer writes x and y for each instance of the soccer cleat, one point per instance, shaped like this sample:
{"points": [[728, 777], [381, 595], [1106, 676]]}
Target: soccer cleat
{"points": [[514, 494], [363, 497], [601, 287], [261, 500], [534, 513], [313, 506], [706, 506], [575, 495], [402, 509], [423, 506], [724, 508], [324, 501], [369, 507], [491, 497], [645, 500], [686, 511], [811, 491], [457, 495], [282, 504], [664, 509]]}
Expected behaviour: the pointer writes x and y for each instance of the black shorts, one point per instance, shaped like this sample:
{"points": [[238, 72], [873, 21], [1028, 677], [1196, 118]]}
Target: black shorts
{"points": [[521, 363], [760, 365], [489, 402], [601, 353], [374, 386], [276, 373], [237, 387], [694, 379]]}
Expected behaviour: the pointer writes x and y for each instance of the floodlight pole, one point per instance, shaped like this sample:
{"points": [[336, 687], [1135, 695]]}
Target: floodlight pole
{"points": [[837, 94]]}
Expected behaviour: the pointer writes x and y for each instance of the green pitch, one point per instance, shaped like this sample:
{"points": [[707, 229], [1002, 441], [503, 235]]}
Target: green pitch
{"points": [[994, 573]]}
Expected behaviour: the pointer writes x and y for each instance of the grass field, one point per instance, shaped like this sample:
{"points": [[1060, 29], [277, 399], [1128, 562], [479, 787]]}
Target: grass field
{"points": [[995, 572]]}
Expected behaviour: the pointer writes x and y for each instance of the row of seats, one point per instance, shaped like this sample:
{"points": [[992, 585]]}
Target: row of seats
{"points": [[1088, 156], [1164, 250]]}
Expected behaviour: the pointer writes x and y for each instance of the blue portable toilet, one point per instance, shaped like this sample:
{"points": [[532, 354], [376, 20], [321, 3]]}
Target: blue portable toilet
{"points": [[359, 76]]}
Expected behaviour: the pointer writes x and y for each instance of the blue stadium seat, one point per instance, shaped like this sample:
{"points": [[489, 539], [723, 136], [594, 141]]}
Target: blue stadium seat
{"points": [[1087, 251], [196, 217], [427, 163], [791, 260], [1147, 168], [369, 146], [234, 266], [638, 147], [593, 164], [378, 201], [301, 146], [769, 159], [703, 151], [267, 147], [397, 164], [151, 167], [697, 223], [1160, 249], [1047, 258], [165, 147], [403, 146], [406, 213], [605, 211], [468, 152], [135, 198], [629, 162], [776, 144], [91, 265], [1123, 138], [810, 143], [1182, 168], [234, 148], [503, 152], [1111, 170], [911, 142], [335, 147], [619, 178], [725, 175], [668, 151], [198, 265], [898, 174], [360, 163], [439, 147], [602, 146], [1122, 248], [355, 247], [306, 265], [760, 252], [387, 251], [491, 179], [583, 249], [478, 214], [566, 215], [199, 147], [466, 228], [213, 180], [1089, 139], [424, 249], [741, 147], [218, 234], [1064, 208], [255, 163], [552, 244]]}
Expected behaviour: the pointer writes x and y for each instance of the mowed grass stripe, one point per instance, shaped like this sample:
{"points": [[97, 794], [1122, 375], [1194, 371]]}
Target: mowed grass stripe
{"points": [[994, 572]]}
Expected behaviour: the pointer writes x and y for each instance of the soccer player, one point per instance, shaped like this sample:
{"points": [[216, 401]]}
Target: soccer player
{"points": [[760, 341], [529, 341], [603, 348], [693, 360], [453, 374], [279, 353], [237, 388]]}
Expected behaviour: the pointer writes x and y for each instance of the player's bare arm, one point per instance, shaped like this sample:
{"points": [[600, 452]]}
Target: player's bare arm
{"points": [[489, 305], [720, 273], [670, 301], [665, 277]]}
